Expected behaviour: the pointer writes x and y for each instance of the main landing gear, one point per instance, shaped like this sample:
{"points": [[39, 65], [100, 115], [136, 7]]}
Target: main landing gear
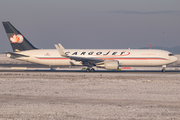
{"points": [[90, 70], [89, 66]]}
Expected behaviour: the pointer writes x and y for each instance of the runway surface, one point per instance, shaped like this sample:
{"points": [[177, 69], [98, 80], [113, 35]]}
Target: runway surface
{"points": [[97, 71], [89, 96], [29, 67]]}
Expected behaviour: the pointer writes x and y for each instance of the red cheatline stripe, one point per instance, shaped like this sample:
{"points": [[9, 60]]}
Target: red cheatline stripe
{"points": [[48, 58], [132, 58], [52, 58]]}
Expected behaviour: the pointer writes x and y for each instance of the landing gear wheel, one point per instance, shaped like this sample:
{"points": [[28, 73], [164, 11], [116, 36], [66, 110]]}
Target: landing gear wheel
{"points": [[163, 70], [92, 70], [87, 70]]}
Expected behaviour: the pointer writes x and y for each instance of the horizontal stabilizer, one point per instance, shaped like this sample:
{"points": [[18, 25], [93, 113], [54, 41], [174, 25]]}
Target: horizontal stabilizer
{"points": [[15, 54]]}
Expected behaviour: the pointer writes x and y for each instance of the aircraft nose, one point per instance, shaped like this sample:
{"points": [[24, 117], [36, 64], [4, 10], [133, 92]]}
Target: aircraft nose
{"points": [[174, 58]]}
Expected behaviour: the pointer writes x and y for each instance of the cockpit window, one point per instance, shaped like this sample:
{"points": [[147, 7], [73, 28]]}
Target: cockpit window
{"points": [[170, 54]]}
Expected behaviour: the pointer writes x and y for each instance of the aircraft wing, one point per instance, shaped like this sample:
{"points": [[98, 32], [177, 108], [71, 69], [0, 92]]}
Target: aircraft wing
{"points": [[83, 59], [86, 60]]}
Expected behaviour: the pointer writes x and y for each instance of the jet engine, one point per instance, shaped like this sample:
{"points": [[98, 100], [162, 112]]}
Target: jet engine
{"points": [[111, 65]]}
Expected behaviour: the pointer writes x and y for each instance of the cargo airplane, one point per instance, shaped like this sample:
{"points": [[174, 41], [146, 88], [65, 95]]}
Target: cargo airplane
{"points": [[109, 59]]}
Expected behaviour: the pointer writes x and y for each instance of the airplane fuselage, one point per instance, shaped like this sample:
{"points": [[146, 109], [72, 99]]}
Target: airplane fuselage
{"points": [[126, 57]]}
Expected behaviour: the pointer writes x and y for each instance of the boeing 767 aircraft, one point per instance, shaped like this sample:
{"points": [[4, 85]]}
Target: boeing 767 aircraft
{"points": [[109, 59]]}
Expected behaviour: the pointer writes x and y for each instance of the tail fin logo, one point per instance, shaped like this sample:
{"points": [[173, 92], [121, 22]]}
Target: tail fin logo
{"points": [[17, 38]]}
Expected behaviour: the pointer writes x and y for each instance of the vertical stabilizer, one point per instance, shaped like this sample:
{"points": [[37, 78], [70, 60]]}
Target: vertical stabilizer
{"points": [[17, 40]]}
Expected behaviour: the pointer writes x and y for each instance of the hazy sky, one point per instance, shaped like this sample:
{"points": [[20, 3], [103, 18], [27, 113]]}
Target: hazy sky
{"points": [[100, 24]]}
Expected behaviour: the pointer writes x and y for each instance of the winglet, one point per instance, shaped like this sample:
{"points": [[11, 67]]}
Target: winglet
{"points": [[59, 49], [61, 46]]}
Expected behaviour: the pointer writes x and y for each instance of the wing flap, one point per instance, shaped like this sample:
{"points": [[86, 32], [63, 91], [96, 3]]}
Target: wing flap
{"points": [[88, 60]]}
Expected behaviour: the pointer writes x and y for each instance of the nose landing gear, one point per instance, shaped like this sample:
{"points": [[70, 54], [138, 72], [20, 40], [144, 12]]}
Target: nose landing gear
{"points": [[163, 68]]}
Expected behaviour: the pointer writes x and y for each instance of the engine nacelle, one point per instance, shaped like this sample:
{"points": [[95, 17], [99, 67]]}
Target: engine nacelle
{"points": [[111, 65]]}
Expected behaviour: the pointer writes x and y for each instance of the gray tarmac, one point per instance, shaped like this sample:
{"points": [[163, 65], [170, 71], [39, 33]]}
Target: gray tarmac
{"points": [[89, 96], [137, 70]]}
